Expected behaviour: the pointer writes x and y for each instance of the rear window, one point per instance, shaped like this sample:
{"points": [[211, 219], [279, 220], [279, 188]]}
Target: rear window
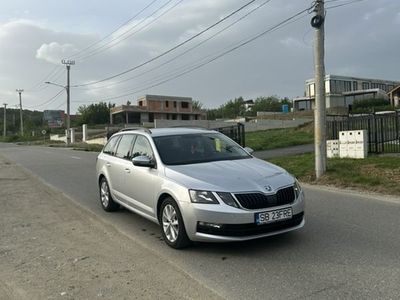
{"points": [[109, 148]]}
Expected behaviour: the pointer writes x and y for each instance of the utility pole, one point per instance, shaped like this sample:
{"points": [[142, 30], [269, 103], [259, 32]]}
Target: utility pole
{"points": [[68, 63], [320, 106], [5, 120], [19, 91]]}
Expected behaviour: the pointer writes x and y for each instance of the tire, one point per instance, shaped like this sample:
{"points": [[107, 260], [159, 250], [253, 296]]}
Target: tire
{"points": [[106, 200], [172, 226]]}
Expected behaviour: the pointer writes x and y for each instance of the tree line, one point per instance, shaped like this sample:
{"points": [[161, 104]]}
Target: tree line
{"points": [[238, 108]]}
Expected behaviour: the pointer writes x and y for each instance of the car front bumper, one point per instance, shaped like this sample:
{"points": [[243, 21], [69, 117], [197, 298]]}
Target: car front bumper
{"points": [[223, 223]]}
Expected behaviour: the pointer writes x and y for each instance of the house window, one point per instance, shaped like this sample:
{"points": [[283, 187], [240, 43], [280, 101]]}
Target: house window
{"points": [[311, 90], [347, 86], [174, 104], [174, 117], [185, 104], [365, 85], [140, 103], [166, 103], [185, 117], [355, 85]]}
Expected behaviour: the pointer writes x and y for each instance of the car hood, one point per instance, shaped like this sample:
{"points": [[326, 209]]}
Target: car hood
{"points": [[231, 176]]}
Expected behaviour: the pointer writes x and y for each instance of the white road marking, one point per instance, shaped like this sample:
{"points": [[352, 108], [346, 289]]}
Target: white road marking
{"points": [[75, 157]]}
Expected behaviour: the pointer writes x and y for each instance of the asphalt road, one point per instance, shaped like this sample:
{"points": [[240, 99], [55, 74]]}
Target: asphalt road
{"points": [[349, 248]]}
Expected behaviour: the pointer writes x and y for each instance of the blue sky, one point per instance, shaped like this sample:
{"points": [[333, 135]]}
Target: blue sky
{"points": [[361, 40]]}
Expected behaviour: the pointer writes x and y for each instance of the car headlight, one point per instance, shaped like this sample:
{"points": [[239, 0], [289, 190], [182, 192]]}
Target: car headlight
{"points": [[297, 188], [202, 197], [228, 199]]}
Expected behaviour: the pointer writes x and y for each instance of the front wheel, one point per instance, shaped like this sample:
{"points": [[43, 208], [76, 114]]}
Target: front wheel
{"points": [[106, 200], [172, 227]]}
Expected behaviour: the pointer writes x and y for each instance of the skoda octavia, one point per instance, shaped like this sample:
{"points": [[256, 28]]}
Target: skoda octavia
{"points": [[199, 185]]}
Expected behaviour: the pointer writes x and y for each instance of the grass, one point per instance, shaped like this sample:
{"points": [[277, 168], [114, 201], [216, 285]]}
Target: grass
{"points": [[376, 173], [280, 138], [55, 144]]}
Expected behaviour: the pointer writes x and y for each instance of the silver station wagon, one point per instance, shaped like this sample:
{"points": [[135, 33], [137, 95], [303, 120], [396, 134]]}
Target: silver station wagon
{"points": [[199, 185]]}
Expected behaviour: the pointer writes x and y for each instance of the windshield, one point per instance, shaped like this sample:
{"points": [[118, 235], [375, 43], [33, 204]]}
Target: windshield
{"points": [[197, 148]]}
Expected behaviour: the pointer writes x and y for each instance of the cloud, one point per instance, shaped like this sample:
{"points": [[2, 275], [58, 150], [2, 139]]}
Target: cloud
{"points": [[370, 15], [278, 63], [54, 52]]}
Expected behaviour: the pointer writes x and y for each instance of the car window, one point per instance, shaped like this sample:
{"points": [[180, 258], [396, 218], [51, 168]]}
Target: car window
{"points": [[142, 147], [110, 147], [125, 146]]}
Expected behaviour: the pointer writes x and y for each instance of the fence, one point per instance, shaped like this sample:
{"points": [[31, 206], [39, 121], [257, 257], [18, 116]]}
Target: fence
{"points": [[383, 129], [235, 132]]}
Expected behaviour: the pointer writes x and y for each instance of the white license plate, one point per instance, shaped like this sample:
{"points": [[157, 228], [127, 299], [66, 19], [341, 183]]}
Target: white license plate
{"points": [[273, 216]]}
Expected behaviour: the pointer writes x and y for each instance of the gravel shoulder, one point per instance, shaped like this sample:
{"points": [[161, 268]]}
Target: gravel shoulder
{"points": [[52, 249]]}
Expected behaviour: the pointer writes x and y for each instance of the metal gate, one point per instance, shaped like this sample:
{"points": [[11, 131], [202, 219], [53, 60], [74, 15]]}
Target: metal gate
{"points": [[383, 129]]}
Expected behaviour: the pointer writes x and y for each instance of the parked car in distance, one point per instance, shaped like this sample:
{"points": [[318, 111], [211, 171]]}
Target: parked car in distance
{"points": [[199, 185]]}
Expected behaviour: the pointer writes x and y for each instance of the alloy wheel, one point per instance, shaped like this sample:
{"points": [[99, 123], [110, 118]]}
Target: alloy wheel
{"points": [[170, 223]]}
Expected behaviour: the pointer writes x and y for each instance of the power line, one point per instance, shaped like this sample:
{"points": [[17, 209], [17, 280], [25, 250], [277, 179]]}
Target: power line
{"points": [[56, 70], [108, 45], [48, 101], [171, 49], [188, 50], [244, 42], [49, 76], [115, 30], [343, 4]]}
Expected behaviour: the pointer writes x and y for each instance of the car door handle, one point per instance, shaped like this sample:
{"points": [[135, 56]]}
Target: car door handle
{"points": [[127, 170]]}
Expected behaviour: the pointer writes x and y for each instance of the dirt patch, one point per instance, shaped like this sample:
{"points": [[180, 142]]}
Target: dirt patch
{"points": [[51, 249]]}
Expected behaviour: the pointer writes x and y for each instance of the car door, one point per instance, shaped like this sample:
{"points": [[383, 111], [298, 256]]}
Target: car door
{"points": [[139, 185], [120, 163], [107, 161]]}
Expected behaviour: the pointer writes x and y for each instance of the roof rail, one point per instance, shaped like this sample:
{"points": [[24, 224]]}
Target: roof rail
{"points": [[189, 126], [136, 128]]}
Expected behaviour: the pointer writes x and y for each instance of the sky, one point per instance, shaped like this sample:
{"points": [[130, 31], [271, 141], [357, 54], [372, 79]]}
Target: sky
{"points": [[107, 38]]}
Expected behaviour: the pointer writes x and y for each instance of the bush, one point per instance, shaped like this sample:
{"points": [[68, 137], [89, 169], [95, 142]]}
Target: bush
{"points": [[371, 105]]}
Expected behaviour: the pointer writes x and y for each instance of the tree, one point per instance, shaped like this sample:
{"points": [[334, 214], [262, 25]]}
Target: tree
{"points": [[98, 113], [197, 105]]}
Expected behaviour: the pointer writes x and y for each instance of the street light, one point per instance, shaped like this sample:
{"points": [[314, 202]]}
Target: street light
{"points": [[68, 64], [56, 84]]}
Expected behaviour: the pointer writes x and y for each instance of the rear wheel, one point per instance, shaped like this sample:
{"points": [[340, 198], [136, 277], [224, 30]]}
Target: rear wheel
{"points": [[106, 200], [172, 227]]}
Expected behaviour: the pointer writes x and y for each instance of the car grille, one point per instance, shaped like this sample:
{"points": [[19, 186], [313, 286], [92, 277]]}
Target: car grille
{"points": [[251, 228], [259, 200]]}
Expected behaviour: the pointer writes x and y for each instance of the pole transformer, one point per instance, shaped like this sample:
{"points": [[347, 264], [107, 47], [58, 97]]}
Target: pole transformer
{"points": [[320, 103], [19, 91]]}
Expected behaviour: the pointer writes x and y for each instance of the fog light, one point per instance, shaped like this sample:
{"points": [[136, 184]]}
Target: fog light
{"points": [[210, 225]]}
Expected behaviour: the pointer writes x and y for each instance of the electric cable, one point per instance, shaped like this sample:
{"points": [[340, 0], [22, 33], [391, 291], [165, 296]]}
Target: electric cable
{"points": [[115, 30], [183, 53], [169, 50], [243, 42], [107, 45]]}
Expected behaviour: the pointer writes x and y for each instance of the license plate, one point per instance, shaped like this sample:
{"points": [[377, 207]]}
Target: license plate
{"points": [[273, 216]]}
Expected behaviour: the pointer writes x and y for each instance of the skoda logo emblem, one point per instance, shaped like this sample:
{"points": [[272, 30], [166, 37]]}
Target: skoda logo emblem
{"points": [[268, 188]]}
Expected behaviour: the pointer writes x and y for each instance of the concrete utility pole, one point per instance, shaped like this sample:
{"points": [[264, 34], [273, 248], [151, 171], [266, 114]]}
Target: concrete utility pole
{"points": [[68, 63], [5, 120], [19, 91], [320, 106]]}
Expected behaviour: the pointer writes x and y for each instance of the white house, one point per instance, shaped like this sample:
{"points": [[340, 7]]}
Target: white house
{"points": [[341, 91]]}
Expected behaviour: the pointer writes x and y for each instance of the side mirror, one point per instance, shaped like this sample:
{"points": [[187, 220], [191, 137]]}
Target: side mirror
{"points": [[249, 150], [143, 161]]}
